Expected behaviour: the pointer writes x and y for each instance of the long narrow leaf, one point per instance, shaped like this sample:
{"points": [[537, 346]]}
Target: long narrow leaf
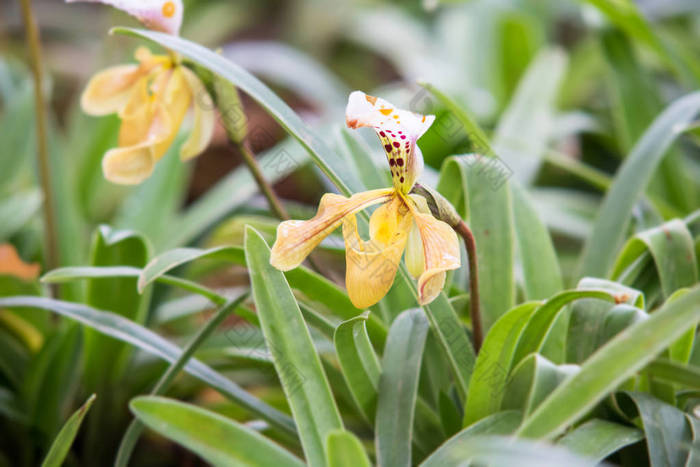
{"points": [[120, 328], [398, 388], [626, 353], [296, 360], [215, 438]]}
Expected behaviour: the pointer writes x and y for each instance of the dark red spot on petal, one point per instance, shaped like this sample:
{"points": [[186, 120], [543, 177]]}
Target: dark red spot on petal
{"points": [[396, 144], [401, 180], [399, 162], [391, 162], [382, 134], [387, 147], [403, 136]]}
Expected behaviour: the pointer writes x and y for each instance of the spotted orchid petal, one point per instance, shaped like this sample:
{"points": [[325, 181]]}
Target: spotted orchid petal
{"points": [[398, 130], [371, 265], [296, 239], [159, 15], [439, 249], [204, 118]]}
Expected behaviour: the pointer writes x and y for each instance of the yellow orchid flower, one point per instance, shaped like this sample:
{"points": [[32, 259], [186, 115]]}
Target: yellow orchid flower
{"points": [[402, 222], [151, 98]]}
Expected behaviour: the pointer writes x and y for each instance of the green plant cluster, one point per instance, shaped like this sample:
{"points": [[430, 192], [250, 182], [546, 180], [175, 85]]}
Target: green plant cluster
{"points": [[572, 155]]}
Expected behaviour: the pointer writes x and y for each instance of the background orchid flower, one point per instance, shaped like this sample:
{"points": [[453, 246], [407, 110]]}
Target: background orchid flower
{"points": [[402, 222], [151, 99]]}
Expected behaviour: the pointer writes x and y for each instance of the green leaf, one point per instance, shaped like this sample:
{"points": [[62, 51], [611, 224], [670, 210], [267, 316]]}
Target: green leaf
{"points": [[625, 15], [466, 181], [16, 210], [535, 245], [345, 450], [597, 439], [49, 379], [17, 130], [672, 249], [686, 376], [71, 273], [120, 328], [296, 360], [171, 259], [525, 127], [540, 324], [612, 364], [493, 364], [359, 363], [531, 381], [667, 432], [62, 443], [501, 451], [630, 182], [314, 286], [216, 439], [541, 271], [135, 428], [590, 317], [398, 387], [500, 423], [119, 295]]}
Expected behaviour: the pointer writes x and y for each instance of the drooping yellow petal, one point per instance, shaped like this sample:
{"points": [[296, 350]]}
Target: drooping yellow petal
{"points": [[296, 239], [398, 130], [371, 265], [159, 15], [130, 165], [133, 164], [109, 90], [204, 118], [440, 253]]}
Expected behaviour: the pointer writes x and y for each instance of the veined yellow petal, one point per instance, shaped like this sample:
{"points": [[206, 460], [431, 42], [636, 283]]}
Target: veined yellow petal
{"points": [[371, 265], [440, 253], [296, 239], [204, 118], [109, 90]]}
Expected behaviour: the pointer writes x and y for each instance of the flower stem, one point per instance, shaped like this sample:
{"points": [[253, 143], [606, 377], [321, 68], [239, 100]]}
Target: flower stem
{"points": [[34, 45], [268, 192], [474, 311], [265, 187]]}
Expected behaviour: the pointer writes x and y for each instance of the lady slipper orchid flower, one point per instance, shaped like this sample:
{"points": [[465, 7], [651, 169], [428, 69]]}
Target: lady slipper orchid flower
{"points": [[401, 222], [151, 98]]}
